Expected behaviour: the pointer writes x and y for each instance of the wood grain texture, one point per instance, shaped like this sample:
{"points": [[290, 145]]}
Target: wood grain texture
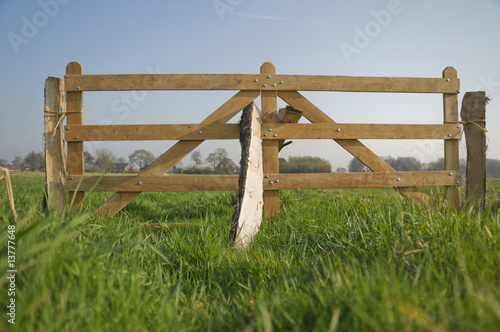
{"points": [[177, 152], [270, 149], [473, 115], [287, 114], [191, 132], [359, 131], [55, 161], [259, 82], [353, 146], [247, 215], [134, 184], [74, 116], [360, 180], [451, 147]]}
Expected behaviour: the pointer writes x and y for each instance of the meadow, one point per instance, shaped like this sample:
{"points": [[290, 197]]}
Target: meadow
{"points": [[351, 260]]}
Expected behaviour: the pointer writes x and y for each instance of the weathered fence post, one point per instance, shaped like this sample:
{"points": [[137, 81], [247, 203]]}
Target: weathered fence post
{"points": [[74, 116], [54, 145], [451, 148], [473, 115]]}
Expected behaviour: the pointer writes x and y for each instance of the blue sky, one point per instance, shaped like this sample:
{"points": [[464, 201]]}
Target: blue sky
{"points": [[407, 38]]}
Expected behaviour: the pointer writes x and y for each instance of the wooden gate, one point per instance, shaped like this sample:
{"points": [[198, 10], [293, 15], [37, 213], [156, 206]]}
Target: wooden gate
{"points": [[65, 98]]}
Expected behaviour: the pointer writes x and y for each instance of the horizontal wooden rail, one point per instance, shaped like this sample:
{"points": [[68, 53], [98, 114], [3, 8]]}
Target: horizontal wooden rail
{"points": [[127, 183], [193, 132], [361, 180], [259, 82], [360, 131], [185, 132]]}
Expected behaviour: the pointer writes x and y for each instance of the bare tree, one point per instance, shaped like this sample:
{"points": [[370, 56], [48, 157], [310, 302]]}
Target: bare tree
{"points": [[216, 157], [196, 157], [141, 158], [104, 157], [88, 160]]}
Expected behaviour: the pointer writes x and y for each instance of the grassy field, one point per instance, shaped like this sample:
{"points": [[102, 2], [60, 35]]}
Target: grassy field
{"points": [[361, 260]]}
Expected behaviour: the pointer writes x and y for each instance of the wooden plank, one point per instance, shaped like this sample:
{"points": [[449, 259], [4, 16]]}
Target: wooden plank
{"points": [[74, 116], [287, 114], [270, 149], [360, 131], [259, 82], [247, 215], [192, 132], [353, 146], [134, 184], [55, 161], [180, 149], [451, 147], [473, 115], [361, 180], [130, 184]]}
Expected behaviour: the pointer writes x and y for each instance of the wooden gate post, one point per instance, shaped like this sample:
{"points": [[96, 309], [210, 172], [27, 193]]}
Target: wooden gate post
{"points": [[74, 117], [451, 148], [270, 148], [473, 115], [54, 145]]}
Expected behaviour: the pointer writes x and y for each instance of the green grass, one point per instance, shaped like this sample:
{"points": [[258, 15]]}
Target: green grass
{"points": [[363, 260]]}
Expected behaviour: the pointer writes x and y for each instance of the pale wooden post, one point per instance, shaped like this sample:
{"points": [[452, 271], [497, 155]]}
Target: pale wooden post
{"points": [[247, 215], [74, 117], [451, 148], [270, 147], [54, 145], [473, 115]]}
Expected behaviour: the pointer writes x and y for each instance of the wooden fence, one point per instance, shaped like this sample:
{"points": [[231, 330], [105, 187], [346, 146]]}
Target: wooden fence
{"points": [[64, 98]]}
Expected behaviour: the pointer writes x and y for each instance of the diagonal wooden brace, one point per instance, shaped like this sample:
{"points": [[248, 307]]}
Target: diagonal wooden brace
{"points": [[177, 152], [353, 146]]}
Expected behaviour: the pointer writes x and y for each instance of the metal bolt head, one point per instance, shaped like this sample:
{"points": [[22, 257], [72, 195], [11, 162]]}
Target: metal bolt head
{"points": [[264, 85], [270, 182], [447, 80], [275, 135], [71, 178], [270, 129], [458, 182], [449, 135], [267, 176], [268, 76], [277, 181], [139, 183], [450, 174], [274, 84], [199, 132], [265, 135], [398, 179], [458, 126], [78, 88], [338, 129], [255, 80], [281, 82], [77, 137], [458, 91], [67, 128]]}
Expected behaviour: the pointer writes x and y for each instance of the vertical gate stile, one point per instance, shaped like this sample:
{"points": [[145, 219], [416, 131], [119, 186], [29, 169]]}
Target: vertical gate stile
{"points": [[451, 146], [270, 147], [74, 117]]}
